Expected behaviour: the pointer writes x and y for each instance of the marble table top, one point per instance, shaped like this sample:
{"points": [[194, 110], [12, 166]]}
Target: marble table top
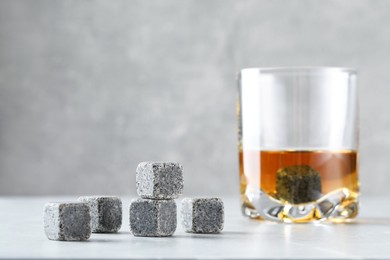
{"points": [[368, 237]]}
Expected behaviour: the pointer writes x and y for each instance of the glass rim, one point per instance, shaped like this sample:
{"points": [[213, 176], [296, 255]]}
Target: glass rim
{"points": [[300, 70]]}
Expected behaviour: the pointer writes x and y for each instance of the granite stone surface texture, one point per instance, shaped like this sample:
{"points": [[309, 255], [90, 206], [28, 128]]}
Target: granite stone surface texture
{"points": [[366, 237], [152, 218], [106, 213], [159, 180], [202, 215], [67, 221], [298, 184]]}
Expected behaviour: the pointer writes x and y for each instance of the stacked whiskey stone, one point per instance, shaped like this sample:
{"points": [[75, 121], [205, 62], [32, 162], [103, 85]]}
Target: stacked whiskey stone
{"points": [[154, 214]]}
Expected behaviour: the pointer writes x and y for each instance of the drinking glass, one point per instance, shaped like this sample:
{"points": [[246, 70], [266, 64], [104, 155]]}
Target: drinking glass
{"points": [[298, 144]]}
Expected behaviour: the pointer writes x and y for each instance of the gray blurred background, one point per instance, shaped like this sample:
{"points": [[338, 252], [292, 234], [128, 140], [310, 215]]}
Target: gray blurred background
{"points": [[90, 88]]}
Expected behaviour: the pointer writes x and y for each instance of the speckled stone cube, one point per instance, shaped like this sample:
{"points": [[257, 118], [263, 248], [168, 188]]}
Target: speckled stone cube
{"points": [[67, 221], [153, 218], [106, 213], [159, 180], [298, 184], [202, 215]]}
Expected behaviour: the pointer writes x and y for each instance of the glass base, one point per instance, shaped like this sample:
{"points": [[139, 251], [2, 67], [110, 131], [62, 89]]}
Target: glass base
{"points": [[338, 206]]}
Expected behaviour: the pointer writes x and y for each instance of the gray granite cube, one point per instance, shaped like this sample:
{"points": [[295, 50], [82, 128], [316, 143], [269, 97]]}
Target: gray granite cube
{"points": [[153, 218], [159, 180], [202, 215], [67, 221], [298, 184], [106, 213]]}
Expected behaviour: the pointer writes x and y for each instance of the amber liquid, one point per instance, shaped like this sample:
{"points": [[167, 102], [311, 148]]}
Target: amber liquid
{"points": [[338, 169]]}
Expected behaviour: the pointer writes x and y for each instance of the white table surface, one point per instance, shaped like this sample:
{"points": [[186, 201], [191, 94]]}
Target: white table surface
{"points": [[22, 237]]}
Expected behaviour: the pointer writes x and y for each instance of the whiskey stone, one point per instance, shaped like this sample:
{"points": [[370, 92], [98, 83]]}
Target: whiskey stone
{"points": [[106, 213], [298, 184], [159, 180], [67, 221], [202, 215], [153, 218]]}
